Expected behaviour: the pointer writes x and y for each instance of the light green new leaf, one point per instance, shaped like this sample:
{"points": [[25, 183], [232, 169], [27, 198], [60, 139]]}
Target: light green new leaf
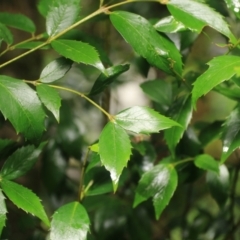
{"points": [[160, 183], [24, 199], [50, 98], [107, 78], [219, 184], [5, 34], [146, 41], [196, 15], [143, 120], [181, 112], [78, 52], [206, 162], [158, 91], [23, 109], [55, 70], [169, 24], [20, 162], [220, 69], [18, 21], [114, 150], [231, 134], [3, 212], [61, 14], [70, 221]]}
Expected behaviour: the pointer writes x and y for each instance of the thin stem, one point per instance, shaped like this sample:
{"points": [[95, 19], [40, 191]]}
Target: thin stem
{"points": [[97, 12], [182, 161], [81, 186], [110, 117]]}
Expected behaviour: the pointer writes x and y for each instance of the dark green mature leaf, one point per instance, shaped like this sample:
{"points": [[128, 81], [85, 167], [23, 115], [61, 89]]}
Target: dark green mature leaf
{"points": [[219, 184], [169, 24], [70, 221], [24, 199], [141, 35], [18, 21], [31, 45], [5, 143], [207, 162], [181, 112], [114, 150], [78, 52], [43, 6], [220, 69], [55, 70], [23, 108], [231, 134], [143, 120], [3, 211], [5, 34], [20, 162], [107, 78], [159, 91], [50, 98], [160, 183], [196, 15], [61, 14]]}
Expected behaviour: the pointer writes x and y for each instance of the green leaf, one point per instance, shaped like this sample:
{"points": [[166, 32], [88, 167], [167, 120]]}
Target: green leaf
{"points": [[196, 15], [5, 143], [55, 70], [169, 24], [5, 34], [231, 93], [231, 134], [158, 91], [143, 120], [114, 150], [3, 212], [107, 78], [43, 6], [18, 21], [160, 183], [24, 109], [181, 112], [61, 15], [220, 69], [20, 162], [219, 184], [206, 162], [141, 35], [78, 52], [70, 221], [24, 199], [31, 45], [50, 98]]}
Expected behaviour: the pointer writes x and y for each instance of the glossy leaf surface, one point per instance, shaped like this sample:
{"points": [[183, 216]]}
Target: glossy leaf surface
{"points": [[61, 14], [220, 69], [50, 98], [18, 21], [195, 15], [79, 52], [219, 184], [20, 162], [107, 78], [169, 24], [231, 134], [206, 162], [181, 112], [141, 35], [3, 211], [70, 221], [160, 183], [24, 109], [143, 120], [114, 150], [25, 199], [55, 70], [5, 34]]}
